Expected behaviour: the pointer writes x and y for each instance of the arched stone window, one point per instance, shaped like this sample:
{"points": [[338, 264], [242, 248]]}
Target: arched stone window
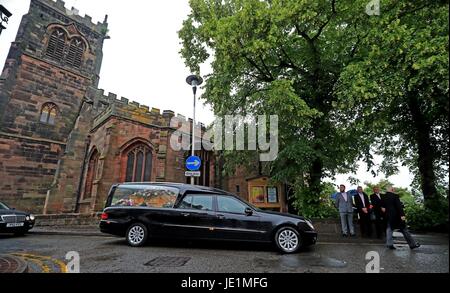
{"points": [[75, 53], [56, 45], [48, 113], [66, 45], [138, 163], [91, 174]]}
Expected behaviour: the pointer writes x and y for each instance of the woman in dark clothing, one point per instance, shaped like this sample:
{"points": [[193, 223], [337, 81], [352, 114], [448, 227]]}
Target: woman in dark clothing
{"points": [[395, 215]]}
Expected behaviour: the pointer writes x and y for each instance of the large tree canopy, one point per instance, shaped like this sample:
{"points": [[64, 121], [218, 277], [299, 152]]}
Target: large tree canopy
{"points": [[291, 58], [399, 89]]}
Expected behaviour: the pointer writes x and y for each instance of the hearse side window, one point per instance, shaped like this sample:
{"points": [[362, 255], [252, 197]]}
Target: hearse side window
{"points": [[228, 204], [186, 203], [144, 196], [202, 202]]}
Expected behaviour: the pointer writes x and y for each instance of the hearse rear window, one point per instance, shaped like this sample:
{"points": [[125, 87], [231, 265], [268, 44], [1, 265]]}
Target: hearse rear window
{"points": [[144, 196]]}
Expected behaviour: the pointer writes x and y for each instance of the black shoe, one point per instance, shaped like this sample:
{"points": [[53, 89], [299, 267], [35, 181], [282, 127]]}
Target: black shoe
{"points": [[353, 235], [415, 246], [344, 235], [392, 247]]}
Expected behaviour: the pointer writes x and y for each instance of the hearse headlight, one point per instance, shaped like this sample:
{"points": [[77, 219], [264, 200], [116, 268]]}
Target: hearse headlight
{"points": [[30, 217], [27, 218], [309, 224]]}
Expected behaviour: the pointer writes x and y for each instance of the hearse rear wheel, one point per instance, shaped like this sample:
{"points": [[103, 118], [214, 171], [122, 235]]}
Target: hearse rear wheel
{"points": [[137, 234]]}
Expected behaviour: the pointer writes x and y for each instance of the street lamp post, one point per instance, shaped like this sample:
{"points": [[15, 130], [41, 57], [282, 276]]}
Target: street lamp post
{"points": [[4, 16], [193, 81]]}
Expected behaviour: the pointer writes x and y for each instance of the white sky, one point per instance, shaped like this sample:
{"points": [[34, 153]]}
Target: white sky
{"points": [[402, 179], [141, 60]]}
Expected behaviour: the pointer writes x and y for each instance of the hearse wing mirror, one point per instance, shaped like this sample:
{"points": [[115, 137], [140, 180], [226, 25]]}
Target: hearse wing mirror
{"points": [[248, 211]]}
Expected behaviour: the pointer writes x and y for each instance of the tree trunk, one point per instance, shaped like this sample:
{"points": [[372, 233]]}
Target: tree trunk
{"points": [[426, 171], [315, 178], [425, 152]]}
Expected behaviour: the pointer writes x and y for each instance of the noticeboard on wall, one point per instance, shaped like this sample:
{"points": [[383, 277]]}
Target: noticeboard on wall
{"points": [[257, 194], [272, 194]]}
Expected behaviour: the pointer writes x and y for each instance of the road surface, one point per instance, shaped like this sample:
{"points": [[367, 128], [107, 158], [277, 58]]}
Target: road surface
{"points": [[47, 253]]}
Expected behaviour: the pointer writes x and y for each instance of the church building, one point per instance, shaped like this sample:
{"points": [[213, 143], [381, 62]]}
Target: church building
{"points": [[64, 142]]}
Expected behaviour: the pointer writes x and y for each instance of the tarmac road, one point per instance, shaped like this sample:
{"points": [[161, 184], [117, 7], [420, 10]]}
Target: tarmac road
{"points": [[47, 253]]}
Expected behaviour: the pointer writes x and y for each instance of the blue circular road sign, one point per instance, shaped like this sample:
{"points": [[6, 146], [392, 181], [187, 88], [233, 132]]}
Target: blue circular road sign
{"points": [[193, 163]]}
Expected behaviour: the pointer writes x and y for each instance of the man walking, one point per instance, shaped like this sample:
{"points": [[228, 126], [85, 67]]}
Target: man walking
{"points": [[344, 203], [362, 205], [380, 218], [393, 208]]}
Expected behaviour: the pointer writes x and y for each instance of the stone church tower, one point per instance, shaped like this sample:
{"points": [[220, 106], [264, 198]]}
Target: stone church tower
{"points": [[52, 66], [63, 142]]}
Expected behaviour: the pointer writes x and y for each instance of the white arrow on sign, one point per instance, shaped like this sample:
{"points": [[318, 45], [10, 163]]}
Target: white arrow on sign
{"points": [[195, 163]]}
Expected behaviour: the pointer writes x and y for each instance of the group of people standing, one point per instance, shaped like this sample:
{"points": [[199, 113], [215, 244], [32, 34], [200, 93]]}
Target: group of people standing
{"points": [[385, 210]]}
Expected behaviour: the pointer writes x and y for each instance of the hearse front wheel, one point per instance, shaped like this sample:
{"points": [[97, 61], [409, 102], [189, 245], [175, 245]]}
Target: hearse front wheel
{"points": [[137, 234], [287, 240]]}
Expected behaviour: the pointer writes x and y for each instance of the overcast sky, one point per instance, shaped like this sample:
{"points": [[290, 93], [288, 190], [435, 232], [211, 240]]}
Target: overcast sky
{"points": [[141, 60]]}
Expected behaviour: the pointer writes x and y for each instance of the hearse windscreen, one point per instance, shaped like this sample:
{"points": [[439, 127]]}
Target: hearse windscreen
{"points": [[144, 196]]}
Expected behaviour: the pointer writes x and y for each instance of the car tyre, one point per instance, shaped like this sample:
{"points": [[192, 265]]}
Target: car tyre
{"points": [[287, 240], [137, 234]]}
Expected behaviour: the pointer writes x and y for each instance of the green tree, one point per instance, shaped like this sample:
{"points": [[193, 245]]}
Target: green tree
{"points": [[398, 88], [404, 194], [282, 57]]}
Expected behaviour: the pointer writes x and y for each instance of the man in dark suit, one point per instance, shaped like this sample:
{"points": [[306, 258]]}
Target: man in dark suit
{"points": [[380, 218], [362, 205], [395, 215]]}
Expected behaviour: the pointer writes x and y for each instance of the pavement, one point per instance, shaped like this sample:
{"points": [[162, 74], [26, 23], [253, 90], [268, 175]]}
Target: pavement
{"points": [[65, 230], [49, 249]]}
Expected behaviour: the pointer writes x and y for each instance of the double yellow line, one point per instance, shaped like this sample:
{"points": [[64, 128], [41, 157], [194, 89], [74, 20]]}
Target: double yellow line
{"points": [[42, 261]]}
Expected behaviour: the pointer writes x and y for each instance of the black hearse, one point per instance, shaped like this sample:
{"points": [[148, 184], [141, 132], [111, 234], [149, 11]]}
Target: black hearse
{"points": [[138, 211]]}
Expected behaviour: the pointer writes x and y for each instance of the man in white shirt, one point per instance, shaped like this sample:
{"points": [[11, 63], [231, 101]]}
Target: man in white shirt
{"points": [[380, 217], [363, 209]]}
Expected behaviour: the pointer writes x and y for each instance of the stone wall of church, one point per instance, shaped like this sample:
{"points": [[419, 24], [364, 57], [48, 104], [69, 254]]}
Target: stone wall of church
{"points": [[27, 168], [37, 83], [112, 139], [66, 184]]}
